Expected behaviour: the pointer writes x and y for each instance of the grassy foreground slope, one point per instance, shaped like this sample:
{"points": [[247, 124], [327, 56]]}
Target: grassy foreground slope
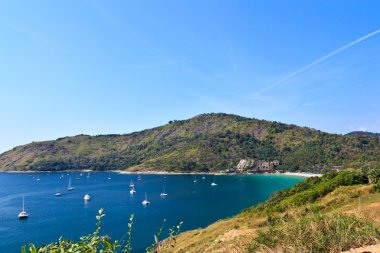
{"points": [[207, 142], [335, 213]]}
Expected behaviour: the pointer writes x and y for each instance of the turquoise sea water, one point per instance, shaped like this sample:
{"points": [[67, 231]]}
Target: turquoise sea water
{"points": [[196, 204]]}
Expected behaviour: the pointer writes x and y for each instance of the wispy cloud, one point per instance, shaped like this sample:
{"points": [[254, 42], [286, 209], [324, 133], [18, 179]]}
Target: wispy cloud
{"points": [[323, 58]]}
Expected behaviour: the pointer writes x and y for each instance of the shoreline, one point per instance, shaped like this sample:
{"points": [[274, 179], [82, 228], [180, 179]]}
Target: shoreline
{"points": [[149, 172], [301, 174], [287, 173]]}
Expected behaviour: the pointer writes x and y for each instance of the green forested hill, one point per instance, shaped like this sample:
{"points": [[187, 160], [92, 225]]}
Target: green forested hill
{"points": [[361, 133], [204, 143]]}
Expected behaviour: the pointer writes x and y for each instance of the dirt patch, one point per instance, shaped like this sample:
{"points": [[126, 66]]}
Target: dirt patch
{"points": [[371, 206], [367, 249], [230, 235]]}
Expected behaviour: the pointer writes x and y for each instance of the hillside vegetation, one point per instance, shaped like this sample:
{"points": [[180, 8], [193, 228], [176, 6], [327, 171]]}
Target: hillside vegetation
{"points": [[207, 142]]}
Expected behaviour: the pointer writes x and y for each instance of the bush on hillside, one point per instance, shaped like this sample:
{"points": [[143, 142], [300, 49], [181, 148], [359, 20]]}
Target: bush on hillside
{"points": [[374, 176], [310, 190]]}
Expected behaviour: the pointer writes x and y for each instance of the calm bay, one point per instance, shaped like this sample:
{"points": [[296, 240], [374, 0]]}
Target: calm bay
{"points": [[196, 204]]}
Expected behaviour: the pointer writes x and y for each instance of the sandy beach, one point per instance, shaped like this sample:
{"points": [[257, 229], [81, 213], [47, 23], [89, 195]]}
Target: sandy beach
{"points": [[294, 174], [301, 174]]}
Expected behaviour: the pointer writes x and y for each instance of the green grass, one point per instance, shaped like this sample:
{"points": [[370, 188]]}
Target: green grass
{"points": [[309, 191]]}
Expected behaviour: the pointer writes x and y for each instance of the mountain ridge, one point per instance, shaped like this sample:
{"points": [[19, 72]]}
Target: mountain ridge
{"points": [[206, 142], [363, 133]]}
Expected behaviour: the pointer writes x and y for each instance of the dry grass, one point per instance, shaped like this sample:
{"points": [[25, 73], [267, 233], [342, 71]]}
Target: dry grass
{"points": [[345, 194], [230, 235], [347, 218], [317, 234]]}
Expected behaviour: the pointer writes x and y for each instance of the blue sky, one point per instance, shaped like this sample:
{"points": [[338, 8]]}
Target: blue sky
{"points": [[100, 67]]}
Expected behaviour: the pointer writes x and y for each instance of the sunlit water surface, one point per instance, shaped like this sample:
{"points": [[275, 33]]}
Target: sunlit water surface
{"points": [[196, 204]]}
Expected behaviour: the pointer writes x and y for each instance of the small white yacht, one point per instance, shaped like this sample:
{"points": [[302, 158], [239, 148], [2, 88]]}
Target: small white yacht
{"points": [[213, 183], [69, 187], [132, 191], [145, 202], [109, 177], [138, 178], [203, 177], [163, 193], [87, 197], [23, 214], [58, 193], [88, 175], [131, 184], [195, 179]]}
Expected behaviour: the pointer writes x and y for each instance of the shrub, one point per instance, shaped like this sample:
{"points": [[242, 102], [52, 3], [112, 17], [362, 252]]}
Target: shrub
{"points": [[91, 243], [374, 176], [309, 191], [94, 243]]}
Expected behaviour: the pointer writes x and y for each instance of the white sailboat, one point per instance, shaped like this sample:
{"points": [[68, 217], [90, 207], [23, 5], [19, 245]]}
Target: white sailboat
{"points": [[131, 184], [88, 175], [69, 187], [213, 183], [203, 177], [145, 202], [195, 179], [23, 214], [138, 178], [87, 197], [58, 193], [132, 191], [163, 193], [109, 177]]}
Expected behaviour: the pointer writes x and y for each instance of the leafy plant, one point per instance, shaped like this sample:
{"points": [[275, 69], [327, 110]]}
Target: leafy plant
{"points": [[168, 243], [97, 243], [374, 175]]}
